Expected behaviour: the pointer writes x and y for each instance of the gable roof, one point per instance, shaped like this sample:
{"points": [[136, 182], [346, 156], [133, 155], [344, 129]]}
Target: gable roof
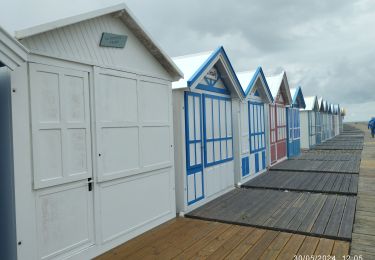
{"points": [[278, 83], [12, 52], [311, 103], [253, 76], [196, 66], [297, 97], [127, 17]]}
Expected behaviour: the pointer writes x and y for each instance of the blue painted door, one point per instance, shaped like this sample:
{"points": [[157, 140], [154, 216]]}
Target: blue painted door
{"points": [[257, 138], [294, 132], [193, 136]]}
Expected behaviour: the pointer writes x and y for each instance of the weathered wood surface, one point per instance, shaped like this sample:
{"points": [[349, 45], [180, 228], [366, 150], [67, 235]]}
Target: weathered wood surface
{"points": [[363, 238], [318, 166], [196, 239], [317, 182], [322, 215]]}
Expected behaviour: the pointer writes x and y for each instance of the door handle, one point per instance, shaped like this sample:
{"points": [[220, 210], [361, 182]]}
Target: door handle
{"points": [[89, 183]]}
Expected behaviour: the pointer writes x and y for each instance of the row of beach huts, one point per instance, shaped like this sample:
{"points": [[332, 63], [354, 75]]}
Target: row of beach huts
{"points": [[103, 136]]}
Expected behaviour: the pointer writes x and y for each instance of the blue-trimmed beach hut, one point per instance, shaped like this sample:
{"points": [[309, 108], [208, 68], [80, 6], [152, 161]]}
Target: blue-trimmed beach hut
{"points": [[253, 128], [203, 127], [294, 122]]}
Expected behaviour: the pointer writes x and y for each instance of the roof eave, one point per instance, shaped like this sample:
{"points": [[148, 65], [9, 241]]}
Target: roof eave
{"points": [[12, 52], [129, 20]]}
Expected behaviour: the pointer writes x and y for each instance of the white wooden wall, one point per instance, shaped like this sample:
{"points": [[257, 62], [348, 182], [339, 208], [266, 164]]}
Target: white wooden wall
{"points": [[80, 42], [95, 113], [304, 129]]}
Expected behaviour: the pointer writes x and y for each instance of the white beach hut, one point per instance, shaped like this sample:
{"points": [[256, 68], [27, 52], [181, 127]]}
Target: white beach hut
{"points": [[87, 157], [203, 127], [253, 126], [310, 120]]}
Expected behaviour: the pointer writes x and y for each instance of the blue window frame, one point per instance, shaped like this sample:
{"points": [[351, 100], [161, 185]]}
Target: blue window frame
{"points": [[257, 132], [217, 130], [193, 139]]}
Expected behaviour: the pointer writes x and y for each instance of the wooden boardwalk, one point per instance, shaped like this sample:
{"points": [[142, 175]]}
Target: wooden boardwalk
{"points": [[184, 238], [272, 223], [322, 215], [363, 242], [317, 182]]}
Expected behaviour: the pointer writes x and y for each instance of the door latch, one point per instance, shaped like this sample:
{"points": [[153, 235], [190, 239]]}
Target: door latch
{"points": [[89, 183]]}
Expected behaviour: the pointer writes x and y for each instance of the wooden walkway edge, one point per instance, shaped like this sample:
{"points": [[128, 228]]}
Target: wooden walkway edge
{"points": [[363, 237]]}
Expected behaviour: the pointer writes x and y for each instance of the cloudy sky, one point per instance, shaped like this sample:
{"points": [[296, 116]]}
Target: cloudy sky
{"points": [[327, 47]]}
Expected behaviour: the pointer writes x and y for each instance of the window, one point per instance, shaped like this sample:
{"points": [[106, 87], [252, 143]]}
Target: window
{"points": [[257, 127], [218, 137], [281, 123]]}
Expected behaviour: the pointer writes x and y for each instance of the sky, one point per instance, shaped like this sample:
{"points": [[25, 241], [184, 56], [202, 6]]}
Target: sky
{"points": [[326, 47]]}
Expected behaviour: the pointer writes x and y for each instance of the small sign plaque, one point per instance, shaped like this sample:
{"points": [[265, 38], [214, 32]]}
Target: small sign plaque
{"points": [[113, 40]]}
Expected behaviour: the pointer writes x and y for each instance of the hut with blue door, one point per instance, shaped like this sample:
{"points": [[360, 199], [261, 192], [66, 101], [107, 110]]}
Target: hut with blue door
{"points": [[203, 128], [310, 123], [252, 141], [279, 87], [294, 122]]}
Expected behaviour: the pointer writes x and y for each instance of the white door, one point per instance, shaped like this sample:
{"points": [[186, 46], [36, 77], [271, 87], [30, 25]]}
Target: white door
{"points": [[62, 167]]}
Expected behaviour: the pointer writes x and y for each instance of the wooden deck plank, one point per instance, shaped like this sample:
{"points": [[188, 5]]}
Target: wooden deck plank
{"points": [[323, 217], [231, 244], [292, 247], [308, 246], [334, 222], [216, 242], [274, 249], [261, 245], [246, 244], [348, 217], [324, 247], [340, 249]]}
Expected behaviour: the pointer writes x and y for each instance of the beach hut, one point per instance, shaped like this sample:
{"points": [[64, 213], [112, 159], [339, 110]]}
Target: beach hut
{"points": [[294, 122], [337, 119], [310, 119], [323, 110], [253, 145], [203, 127], [330, 120], [342, 115], [279, 87], [87, 136]]}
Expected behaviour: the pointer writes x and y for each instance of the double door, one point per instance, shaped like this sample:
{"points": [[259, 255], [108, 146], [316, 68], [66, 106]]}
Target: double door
{"points": [[209, 144], [294, 132], [278, 132]]}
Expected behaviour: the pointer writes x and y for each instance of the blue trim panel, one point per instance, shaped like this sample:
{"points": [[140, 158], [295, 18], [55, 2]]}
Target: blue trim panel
{"points": [[197, 168], [249, 87], [213, 139], [213, 89], [207, 63], [295, 100]]}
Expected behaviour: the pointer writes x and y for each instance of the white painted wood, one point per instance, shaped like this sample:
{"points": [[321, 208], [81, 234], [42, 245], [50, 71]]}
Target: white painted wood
{"points": [[304, 115], [133, 124], [58, 135], [12, 52], [64, 220], [60, 125], [80, 41]]}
